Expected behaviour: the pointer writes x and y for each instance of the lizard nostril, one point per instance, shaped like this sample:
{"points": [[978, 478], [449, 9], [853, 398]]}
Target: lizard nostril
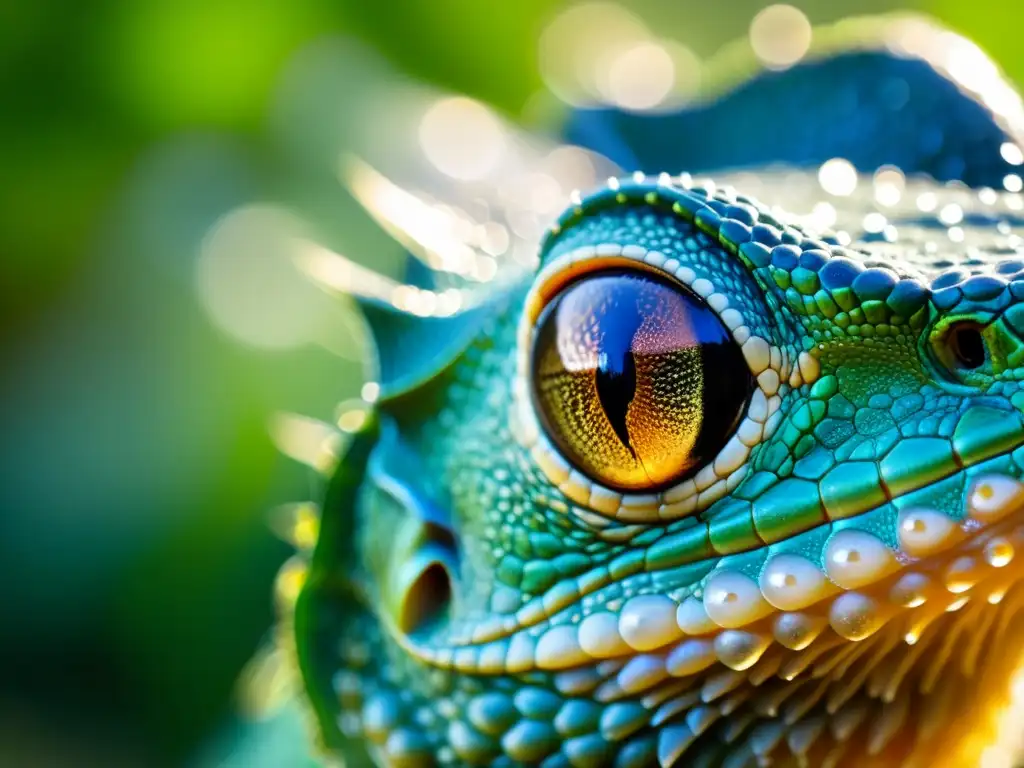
{"points": [[428, 599], [968, 346]]}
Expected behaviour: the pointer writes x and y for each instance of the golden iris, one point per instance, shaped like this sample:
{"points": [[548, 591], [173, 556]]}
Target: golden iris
{"points": [[636, 379]]}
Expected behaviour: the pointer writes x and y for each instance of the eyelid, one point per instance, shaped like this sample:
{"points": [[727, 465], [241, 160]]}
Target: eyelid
{"points": [[676, 195]]}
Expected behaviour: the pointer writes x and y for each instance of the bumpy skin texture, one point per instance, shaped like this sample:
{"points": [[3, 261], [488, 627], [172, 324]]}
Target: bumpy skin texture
{"points": [[838, 584]]}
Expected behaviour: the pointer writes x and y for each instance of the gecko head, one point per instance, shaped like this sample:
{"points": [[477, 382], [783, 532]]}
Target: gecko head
{"points": [[702, 461]]}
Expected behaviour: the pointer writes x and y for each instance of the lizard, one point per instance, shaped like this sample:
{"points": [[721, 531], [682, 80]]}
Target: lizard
{"points": [[712, 485]]}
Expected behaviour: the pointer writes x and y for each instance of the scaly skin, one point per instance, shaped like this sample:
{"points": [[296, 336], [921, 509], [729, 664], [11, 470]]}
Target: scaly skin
{"points": [[837, 584]]}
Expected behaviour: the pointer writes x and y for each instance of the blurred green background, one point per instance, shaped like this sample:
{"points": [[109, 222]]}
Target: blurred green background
{"points": [[136, 465]]}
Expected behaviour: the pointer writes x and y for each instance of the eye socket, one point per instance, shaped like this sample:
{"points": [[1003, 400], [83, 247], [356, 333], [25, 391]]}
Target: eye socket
{"points": [[967, 345], [636, 379]]}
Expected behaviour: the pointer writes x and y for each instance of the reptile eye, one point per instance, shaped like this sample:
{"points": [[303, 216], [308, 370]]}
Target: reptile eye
{"points": [[636, 379]]}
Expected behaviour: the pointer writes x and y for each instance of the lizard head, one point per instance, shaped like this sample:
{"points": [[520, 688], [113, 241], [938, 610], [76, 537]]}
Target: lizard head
{"points": [[704, 485]]}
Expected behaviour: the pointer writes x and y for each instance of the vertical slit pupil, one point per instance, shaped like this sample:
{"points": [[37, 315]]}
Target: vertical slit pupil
{"points": [[616, 387], [969, 347]]}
